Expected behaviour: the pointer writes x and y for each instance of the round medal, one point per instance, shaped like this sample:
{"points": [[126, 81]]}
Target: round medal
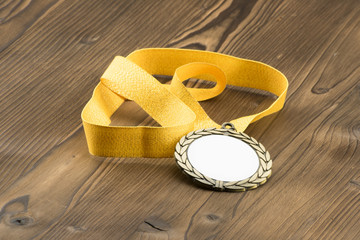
{"points": [[223, 159]]}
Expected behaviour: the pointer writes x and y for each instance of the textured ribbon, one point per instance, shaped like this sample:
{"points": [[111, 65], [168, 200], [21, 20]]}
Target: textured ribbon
{"points": [[174, 107]]}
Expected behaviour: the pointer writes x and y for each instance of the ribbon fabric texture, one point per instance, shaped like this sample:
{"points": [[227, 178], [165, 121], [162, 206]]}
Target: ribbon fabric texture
{"points": [[175, 107]]}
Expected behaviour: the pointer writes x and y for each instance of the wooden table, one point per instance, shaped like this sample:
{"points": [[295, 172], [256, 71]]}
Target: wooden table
{"points": [[52, 54]]}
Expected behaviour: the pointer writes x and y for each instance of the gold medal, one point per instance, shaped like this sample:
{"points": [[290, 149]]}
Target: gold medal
{"points": [[219, 158], [223, 159]]}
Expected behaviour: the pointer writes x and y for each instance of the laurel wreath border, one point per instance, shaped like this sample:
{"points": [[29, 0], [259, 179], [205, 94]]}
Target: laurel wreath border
{"points": [[257, 179]]}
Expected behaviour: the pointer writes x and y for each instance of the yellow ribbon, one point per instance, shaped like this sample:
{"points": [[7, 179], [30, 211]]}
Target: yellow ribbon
{"points": [[173, 106]]}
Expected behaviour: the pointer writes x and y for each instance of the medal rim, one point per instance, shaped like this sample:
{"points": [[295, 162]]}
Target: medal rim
{"points": [[258, 178]]}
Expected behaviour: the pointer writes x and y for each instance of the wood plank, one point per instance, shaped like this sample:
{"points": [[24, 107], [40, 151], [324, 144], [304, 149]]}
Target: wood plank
{"points": [[17, 16], [51, 188]]}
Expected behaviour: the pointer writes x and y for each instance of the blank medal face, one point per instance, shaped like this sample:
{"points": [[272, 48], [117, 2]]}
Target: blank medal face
{"points": [[223, 157]]}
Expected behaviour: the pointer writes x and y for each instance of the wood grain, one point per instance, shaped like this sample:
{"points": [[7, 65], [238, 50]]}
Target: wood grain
{"points": [[52, 54]]}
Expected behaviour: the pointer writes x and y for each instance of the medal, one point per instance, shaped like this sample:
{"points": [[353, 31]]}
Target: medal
{"points": [[218, 157], [223, 159]]}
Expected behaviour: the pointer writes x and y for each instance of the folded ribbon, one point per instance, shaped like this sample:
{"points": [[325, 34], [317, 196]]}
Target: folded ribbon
{"points": [[174, 107]]}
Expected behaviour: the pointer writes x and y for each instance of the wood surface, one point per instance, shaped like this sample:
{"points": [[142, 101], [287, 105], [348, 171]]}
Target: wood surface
{"points": [[52, 54]]}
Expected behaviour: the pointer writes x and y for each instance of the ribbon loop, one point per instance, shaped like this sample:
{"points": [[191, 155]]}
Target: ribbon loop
{"points": [[205, 71], [173, 106]]}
